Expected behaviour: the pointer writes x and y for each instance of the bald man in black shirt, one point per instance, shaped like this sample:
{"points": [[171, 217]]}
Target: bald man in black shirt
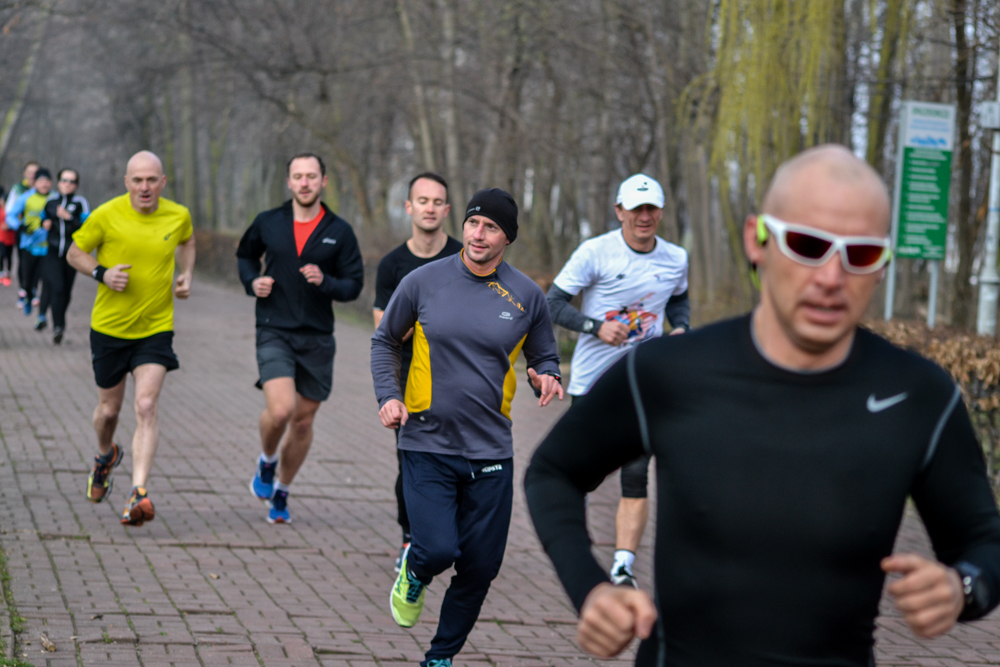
{"points": [[428, 208], [784, 459]]}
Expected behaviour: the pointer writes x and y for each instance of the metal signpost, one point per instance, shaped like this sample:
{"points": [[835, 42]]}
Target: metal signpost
{"points": [[989, 281], [920, 199]]}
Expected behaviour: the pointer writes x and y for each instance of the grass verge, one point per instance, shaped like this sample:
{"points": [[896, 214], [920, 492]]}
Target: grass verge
{"points": [[16, 620]]}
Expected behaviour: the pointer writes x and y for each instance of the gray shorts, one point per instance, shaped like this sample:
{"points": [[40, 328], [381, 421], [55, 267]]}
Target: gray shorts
{"points": [[308, 358]]}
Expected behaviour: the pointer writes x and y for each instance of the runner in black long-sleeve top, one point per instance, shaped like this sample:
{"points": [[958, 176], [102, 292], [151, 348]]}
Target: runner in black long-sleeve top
{"points": [[786, 444]]}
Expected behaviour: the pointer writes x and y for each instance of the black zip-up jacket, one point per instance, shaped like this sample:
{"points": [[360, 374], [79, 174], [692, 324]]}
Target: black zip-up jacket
{"points": [[294, 303], [61, 232]]}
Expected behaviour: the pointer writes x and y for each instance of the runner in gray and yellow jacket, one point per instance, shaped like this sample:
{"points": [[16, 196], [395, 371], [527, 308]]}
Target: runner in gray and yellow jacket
{"points": [[471, 315]]}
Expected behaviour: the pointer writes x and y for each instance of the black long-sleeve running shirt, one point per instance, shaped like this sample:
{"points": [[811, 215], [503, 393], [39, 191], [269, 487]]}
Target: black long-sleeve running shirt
{"points": [[778, 492]]}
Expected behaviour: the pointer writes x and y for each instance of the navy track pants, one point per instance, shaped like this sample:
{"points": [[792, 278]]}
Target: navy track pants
{"points": [[459, 513]]}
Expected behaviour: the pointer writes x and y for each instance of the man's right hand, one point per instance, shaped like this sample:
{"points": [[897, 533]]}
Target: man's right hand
{"points": [[611, 616], [262, 286], [613, 332], [393, 414], [116, 278]]}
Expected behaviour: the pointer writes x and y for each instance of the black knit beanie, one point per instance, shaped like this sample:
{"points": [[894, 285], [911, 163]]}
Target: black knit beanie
{"points": [[498, 206], [43, 173]]}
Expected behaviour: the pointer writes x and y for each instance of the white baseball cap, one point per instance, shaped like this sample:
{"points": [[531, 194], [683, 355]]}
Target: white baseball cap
{"points": [[638, 190]]}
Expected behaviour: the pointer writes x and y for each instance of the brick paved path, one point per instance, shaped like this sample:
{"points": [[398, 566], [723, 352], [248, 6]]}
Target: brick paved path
{"points": [[209, 582]]}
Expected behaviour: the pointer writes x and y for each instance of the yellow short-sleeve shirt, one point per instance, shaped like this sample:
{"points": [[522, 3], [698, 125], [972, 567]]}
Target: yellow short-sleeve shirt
{"points": [[122, 235]]}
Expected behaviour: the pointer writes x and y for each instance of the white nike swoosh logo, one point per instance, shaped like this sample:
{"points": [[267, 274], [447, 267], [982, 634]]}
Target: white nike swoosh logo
{"points": [[878, 406]]}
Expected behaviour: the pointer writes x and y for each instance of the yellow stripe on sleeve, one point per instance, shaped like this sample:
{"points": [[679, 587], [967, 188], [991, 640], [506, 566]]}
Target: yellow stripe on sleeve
{"points": [[510, 381], [418, 383]]}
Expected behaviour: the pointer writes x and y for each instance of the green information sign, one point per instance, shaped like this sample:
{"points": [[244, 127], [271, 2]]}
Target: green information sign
{"points": [[923, 205]]}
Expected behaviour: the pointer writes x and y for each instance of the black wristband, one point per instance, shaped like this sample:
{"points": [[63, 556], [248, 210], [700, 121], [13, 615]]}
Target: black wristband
{"points": [[538, 392], [98, 273]]}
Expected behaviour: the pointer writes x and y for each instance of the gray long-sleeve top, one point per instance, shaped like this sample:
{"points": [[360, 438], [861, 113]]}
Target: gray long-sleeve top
{"points": [[468, 331]]}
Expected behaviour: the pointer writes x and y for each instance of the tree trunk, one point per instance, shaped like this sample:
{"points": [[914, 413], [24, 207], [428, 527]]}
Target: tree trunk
{"points": [[423, 123], [600, 177], [452, 140], [21, 94], [169, 161], [658, 72], [217, 144], [189, 150], [965, 226], [696, 181], [880, 108]]}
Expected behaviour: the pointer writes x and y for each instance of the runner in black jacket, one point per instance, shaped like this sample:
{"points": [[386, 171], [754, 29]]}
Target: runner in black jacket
{"points": [[63, 215], [784, 460], [294, 304], [311, 259]]}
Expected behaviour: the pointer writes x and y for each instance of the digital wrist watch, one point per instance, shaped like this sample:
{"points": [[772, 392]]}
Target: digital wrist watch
{"points": [[974, 589]]}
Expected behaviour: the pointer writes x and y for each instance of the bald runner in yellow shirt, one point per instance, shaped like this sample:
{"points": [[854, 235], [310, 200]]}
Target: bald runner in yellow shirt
{"points": [[140, 238]]}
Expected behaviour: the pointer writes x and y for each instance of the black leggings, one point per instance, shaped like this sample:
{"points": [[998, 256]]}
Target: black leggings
{"points": [[635, 478], [6, 257], [57, 288], [634, 474], [31, 272]]}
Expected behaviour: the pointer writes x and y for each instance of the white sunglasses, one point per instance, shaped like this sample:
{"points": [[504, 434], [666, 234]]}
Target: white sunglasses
{"points": [[859, 255]]}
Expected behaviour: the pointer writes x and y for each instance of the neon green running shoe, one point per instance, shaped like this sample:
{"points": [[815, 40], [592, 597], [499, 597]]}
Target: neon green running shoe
{"points": [[407, 599]]}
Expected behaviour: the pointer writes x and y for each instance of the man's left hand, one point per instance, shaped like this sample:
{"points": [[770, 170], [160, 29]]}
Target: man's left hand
{"points": [[182, 288], [312, 273], [929, 594], [548, 385], [677, 330]]}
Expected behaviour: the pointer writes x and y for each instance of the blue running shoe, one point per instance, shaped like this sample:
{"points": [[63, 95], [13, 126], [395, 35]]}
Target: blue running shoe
{"points": [[262, 484], [438, 662], [279, 508], [27, 307]]}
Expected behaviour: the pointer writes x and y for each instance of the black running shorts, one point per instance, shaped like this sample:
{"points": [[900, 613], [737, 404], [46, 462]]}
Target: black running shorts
{"points": [[308, 358], [635, 474], [115, 357]]}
